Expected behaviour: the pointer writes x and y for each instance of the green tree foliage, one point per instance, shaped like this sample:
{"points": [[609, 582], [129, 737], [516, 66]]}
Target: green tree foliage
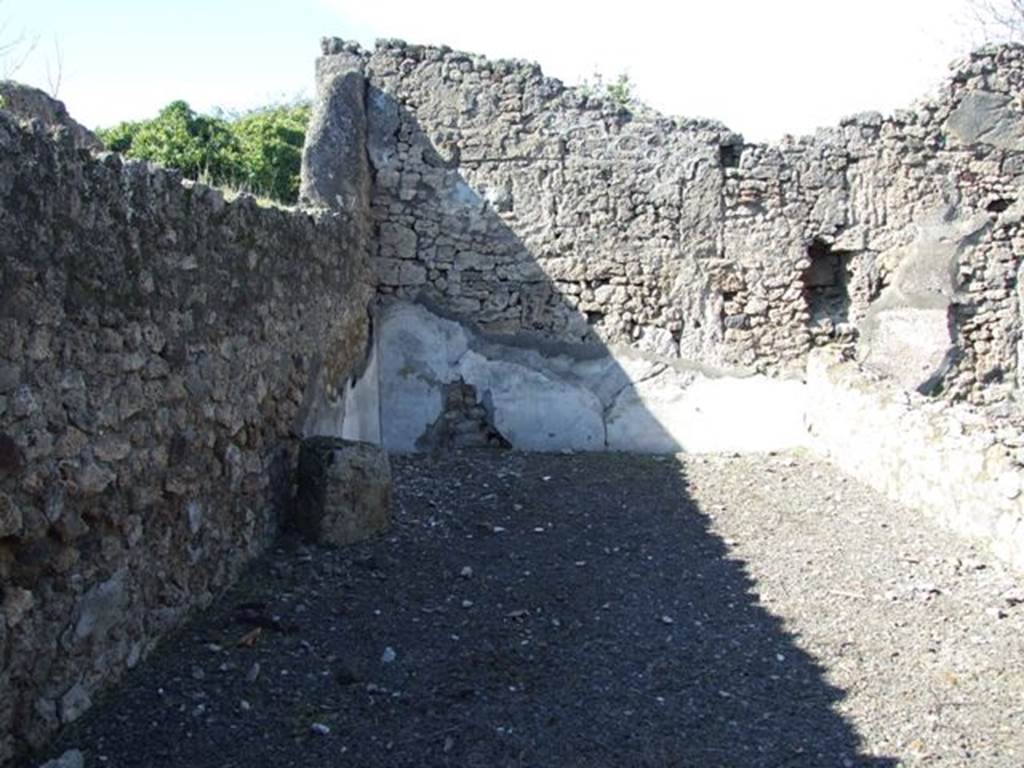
{"points": [[619, 90], [259, 151], [194, 144], [120, 137], [270, 149]]}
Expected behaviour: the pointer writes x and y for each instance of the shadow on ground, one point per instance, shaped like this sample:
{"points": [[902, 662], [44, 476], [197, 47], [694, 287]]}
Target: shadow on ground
{"points": [[543, 610]]}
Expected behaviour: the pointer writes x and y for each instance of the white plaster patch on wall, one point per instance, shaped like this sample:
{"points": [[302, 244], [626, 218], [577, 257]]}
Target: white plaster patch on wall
{"points": [[709, 415], [362, 403], [534, 411], [922, 453], [619, 401], [418, 352]]}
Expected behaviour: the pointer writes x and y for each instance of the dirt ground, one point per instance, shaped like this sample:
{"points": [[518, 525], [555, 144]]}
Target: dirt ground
{"points": [[595, 610]]}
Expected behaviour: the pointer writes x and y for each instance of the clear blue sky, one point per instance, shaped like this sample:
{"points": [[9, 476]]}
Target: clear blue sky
{"points": [[764, 67], [126, 58]]}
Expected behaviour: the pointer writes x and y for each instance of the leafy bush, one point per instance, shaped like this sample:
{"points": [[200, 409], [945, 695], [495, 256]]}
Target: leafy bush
{"points": [[270, 149], [620, 90], [259, 151], [120, 137]]}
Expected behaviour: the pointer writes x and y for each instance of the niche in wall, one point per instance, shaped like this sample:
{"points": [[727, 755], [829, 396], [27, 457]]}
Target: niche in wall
{"points": [[826, 291], [729, 155]]}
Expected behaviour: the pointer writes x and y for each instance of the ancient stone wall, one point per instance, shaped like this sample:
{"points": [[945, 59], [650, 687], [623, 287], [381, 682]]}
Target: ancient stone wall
{"points": [[587, 276], [161, 350], [518, 204]]}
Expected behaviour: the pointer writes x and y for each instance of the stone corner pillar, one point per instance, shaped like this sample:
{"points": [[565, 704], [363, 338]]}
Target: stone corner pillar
{"points": [[335, 168]]}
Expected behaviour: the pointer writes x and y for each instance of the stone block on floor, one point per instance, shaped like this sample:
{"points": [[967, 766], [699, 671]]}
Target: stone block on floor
{"points": [[344, 492]]}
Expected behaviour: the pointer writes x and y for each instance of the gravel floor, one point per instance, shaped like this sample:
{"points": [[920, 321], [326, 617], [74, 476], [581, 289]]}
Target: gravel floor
{"points": [[596, 610]]}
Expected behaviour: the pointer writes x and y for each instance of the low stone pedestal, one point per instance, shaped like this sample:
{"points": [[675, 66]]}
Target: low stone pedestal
{"points": [[344, 491]]}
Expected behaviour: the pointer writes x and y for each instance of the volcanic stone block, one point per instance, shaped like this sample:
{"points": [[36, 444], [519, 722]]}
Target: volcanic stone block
{"points": [[984, 117], [335, 168], [344, 490]]}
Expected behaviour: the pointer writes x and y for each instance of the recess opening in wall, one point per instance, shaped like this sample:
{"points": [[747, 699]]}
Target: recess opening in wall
{"points": [[826, 291], [999, 204], [729, 155]]}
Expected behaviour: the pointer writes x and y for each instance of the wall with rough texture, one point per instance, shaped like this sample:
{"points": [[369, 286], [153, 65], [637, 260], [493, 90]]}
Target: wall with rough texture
{"points": [[523, 208], [523, 205], [27, 103], [560, 272], [161, 352]]}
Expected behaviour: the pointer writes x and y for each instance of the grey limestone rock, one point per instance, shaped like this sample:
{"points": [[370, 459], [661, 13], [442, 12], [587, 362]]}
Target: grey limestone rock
{"points": [[10, 517], [73, 758], [101, 609], [906, 333], [74, 703], [983, 117]]}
